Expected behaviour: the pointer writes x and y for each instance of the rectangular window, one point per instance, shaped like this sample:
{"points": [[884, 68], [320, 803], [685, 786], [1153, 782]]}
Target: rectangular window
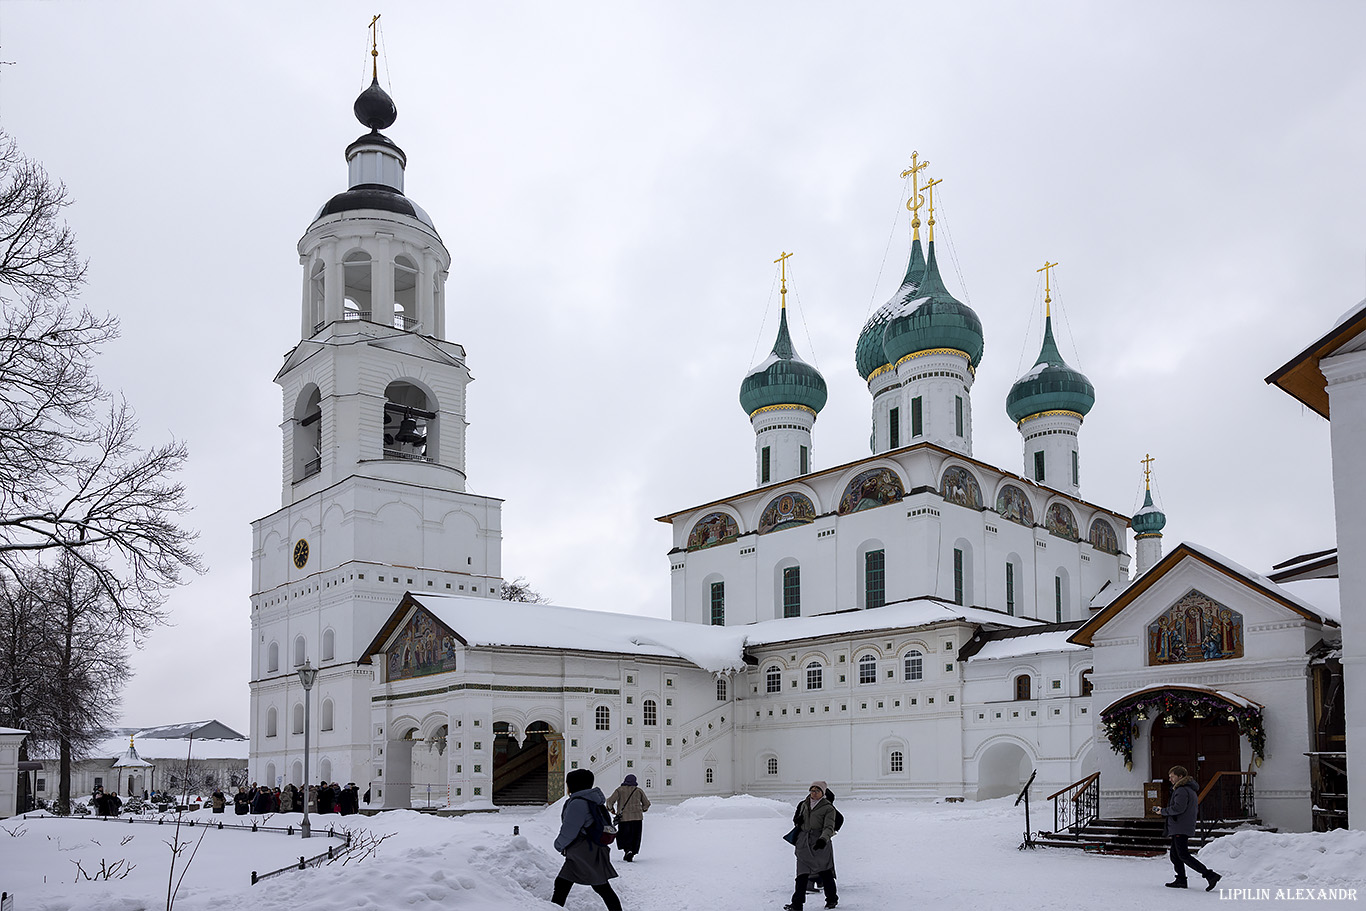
{"points": [[792, 591], [917, 417], [958, 415], [875, 578], [806, 460], [718, 604], [765, 463], [1010, 588], [957, 576], [1076, 470], [1057, 597], [1038, 465], [894, 428]]}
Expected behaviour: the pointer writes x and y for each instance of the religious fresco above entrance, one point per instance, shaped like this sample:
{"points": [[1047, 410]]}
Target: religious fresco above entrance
{"points": [[1195, 628], [1013, 505], [787, 511], [1103, 537], [870, 489], [423, 646], [1060, 521], [712, 529], [959, 486]]}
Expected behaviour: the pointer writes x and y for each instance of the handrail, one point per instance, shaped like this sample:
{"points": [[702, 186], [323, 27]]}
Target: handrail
{"points": [[1076, 784], [1080, 805], [1227, 797], [1219, 775]]}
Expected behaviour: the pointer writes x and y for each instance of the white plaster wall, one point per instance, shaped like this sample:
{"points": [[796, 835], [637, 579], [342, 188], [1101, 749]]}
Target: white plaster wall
{"points": [[937, 377], [784, 431], [9, 772], [1055, 435]]}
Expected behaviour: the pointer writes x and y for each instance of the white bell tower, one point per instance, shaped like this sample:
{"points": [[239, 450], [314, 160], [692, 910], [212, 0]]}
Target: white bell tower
{"points": [[373, 500]]}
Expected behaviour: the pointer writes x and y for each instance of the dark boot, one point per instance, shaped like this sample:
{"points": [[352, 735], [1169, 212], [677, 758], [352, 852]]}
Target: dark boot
{"points": [[1177, 884], [1212, 879]]}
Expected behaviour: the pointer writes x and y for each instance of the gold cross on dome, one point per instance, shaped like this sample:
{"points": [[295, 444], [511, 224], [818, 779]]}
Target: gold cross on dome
{"points": [[783, 259], [374, 46], [916, 201], [1147, 461], [929, 188], [1047, 271]]}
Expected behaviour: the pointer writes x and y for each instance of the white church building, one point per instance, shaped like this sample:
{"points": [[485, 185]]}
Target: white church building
{"points": [[917, 623]]}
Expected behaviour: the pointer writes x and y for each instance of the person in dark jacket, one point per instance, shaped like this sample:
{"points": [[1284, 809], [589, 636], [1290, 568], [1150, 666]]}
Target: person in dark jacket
{"points": [[815, 821], [325, 798], [629, 803], [241, 802], [260, 801], [217, 800], [1179, 825], [584, 861], [814, 884]]}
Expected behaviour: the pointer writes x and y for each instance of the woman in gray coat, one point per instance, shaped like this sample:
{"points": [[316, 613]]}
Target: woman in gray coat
{"points": [[815, 821], [585, 861], [1179, 825]]}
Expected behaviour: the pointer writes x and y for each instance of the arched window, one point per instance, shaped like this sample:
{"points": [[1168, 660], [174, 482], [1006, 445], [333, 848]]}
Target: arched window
{"points": [[270, 774], [296, 773], [896, 762], [1061, 597], [773, 765], [1085, 688], [813, 675], [308, 434], [298, 717], [867, 669], [602, 718], [915, 665], [773, 679], [711, 776], [721, 690], [1022, 687], [405, 293], [329, 645], [325, 770], [649, 713], [271, 724], [273, 657], [356, 285], [325, 716], [300, 651], [718, 603], [410, 423]]}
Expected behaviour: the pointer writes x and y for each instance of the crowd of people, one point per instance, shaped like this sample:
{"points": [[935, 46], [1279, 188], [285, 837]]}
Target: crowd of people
{"points": [[323, 797]]}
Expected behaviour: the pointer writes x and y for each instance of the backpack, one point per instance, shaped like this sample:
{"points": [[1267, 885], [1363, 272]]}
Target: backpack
{"points": [[599, 830], [839, 820]]}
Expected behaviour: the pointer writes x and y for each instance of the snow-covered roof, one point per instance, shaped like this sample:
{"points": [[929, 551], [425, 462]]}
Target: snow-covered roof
{"points": [[482, 622], [1033, 644], [155, 744], [12, 731], [1324, 594], [1231, 698], [1328, 611]]}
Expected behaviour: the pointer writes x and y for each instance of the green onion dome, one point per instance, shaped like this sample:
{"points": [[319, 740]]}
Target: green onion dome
{"points": [[1149, 520], [1050, 386], [938, 320], [868, 354], [783, 379]]}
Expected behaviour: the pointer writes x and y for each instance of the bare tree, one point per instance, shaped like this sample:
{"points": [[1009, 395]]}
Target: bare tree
{"points": [[520, 589], [26, 643], [73, 478]]}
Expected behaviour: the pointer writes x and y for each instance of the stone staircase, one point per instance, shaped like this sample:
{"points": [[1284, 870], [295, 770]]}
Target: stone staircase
{"points": [[1138, 836], [529, 790]]}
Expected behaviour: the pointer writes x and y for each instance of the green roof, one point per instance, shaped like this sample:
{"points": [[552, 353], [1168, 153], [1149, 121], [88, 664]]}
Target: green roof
{"points": [[783, 379], [868, 353], [1149, 520], [1050, 386], [939, 321]]}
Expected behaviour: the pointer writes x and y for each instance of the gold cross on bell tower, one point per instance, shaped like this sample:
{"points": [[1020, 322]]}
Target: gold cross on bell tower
{"points": [[1047, 288], [916, 201], [783, 259], [1147, 461], [374, 47]]}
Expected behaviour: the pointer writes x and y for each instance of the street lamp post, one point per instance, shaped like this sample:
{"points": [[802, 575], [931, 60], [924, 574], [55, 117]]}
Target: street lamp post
{"points": [[307, 674]]}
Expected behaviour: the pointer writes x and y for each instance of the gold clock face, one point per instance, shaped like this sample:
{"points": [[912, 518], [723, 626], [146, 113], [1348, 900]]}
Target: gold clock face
{"points": [[300, 553]]}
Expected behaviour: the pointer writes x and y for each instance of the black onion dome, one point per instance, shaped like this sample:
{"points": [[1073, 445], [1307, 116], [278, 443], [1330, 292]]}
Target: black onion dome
{"points": [[374, 108], [375, 196]]}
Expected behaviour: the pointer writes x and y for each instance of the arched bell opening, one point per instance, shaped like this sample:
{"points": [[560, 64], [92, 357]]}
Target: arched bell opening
{"points": [[521, 763], [405, 293], [357, 286], [317, 287], [410, 423], [308, 434]]}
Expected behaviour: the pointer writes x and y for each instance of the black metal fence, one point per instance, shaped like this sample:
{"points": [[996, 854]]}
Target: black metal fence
{"points": [[304, 863]]}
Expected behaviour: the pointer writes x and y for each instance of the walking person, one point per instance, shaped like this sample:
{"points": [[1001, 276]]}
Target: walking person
{"points": [[813, 884], [629, 803], [585, 860], [1179, 825], [815, 822]]}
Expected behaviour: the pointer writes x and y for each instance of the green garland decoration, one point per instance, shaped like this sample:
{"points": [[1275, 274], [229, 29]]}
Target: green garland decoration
{"points": [[1119, 721]]}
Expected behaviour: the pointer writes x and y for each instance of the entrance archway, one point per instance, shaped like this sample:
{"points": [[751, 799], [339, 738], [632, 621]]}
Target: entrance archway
{"points": [[521, 764], [1205, 746], [1002, 770]]}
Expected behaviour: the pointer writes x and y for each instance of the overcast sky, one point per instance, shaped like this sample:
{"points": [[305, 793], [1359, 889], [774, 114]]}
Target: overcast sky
{"points": [[614, 181]]}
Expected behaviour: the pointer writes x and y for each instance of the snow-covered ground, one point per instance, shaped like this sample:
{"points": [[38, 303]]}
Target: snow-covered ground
{"points": [[707, 853]]}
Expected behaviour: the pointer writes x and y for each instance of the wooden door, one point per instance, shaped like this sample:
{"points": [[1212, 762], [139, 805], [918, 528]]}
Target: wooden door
{"points": [[1205, 746]]}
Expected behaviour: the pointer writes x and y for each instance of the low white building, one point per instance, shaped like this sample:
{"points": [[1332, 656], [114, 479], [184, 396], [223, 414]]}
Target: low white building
{"points": [[10, 741]]}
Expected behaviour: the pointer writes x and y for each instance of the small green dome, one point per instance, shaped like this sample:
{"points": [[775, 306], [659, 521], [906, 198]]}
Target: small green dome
{"points": [[868, 353], [1149, 520], [1050, 386], [938, 321], [783, 379]]}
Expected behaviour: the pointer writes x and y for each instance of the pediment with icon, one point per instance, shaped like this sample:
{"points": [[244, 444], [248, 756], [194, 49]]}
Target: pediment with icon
{"points": [[422, 646], [1195, 628]]}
